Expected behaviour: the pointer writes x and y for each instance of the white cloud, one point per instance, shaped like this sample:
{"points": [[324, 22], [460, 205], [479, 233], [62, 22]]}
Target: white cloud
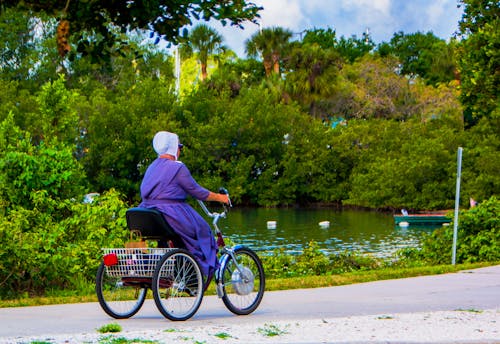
{"points": [[380, 6], [283, 13], [351, 17]]}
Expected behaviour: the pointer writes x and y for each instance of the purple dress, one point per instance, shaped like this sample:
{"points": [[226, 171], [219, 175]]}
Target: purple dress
{"points": [[165, 187]]}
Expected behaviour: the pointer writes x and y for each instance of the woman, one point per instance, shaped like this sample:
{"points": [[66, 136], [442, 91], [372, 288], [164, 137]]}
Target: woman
{"points": [[165, 187]]}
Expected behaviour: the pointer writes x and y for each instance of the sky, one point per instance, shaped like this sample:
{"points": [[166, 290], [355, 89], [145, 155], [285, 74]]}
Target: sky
{"points": [[382, 18]]}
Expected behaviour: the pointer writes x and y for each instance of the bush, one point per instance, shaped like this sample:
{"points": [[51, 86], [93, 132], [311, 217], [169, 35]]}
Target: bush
{"points": [[478, 238], [312, 261], [40, 252], [50, 239]]}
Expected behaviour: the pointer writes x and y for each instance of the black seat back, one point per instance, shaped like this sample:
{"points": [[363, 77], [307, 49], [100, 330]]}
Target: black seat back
{"points": [[152, 225]]}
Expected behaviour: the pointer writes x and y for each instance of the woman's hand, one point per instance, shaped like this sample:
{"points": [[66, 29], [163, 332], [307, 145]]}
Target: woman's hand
{"points": [[217, 197]]}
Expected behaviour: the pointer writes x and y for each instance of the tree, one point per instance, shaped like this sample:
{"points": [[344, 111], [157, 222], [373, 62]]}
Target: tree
{"points": [[16, 43], [326, 39], [206, 41], [423, 55], [94, 20], [270, 44], [353, 48], [350, 49], [313, 76], [370, 88], [479, 59]]}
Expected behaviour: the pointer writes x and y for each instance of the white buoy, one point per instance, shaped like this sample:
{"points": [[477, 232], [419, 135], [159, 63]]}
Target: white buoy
{"points": [[271, 224], [404, 224], [324, 224]]}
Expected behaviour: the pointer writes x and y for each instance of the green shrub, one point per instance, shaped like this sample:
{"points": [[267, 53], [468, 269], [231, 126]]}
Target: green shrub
{"points": [[313, 261], [478, 238], [41, 251]]}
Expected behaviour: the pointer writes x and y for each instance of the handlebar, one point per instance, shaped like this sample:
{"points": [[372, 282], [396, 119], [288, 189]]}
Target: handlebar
{"points": [[214, 215]]}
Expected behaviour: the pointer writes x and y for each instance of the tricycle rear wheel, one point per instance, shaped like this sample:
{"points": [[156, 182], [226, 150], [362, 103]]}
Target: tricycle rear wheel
{"points": [[118, 299], [178, 285]]}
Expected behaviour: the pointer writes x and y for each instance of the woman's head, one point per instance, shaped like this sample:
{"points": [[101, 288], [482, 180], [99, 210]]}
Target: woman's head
{"points": [[165, 142]]}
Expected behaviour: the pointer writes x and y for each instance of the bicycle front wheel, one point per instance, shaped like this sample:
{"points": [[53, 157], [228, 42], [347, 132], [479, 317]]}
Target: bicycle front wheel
{"points": [[178, 285], [243, 281], [117, 298]]}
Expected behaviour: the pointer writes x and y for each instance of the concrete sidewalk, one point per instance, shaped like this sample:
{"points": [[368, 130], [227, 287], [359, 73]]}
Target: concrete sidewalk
{"points": [[468, 301]]}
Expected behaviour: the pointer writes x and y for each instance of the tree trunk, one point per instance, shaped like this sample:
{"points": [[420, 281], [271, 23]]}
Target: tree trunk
{"points": [[204, 71], [267, 67]]}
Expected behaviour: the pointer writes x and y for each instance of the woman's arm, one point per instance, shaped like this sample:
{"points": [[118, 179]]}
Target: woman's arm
{"points": [[187, 182], [217, 197]]}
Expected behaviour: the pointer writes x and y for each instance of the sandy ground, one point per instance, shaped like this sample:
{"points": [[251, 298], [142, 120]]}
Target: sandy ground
{"points": [[460, 326]]}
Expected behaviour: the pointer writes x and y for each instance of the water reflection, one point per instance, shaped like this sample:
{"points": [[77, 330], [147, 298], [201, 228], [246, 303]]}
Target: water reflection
{"points": [[349, 230]]}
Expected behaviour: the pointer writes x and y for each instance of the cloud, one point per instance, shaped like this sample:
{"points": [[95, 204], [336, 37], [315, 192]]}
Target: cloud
{"points": [[351, 17], [283, 13]]}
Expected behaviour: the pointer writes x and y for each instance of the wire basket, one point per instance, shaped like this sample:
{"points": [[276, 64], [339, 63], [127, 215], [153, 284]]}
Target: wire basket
{"points": [[133, 262]]}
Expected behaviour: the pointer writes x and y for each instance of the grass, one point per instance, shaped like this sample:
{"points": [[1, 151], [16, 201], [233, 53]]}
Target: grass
{"points": [[223, 335], [271, 330], [110, 328], [282, 283], [123, 340], [471, 310]]}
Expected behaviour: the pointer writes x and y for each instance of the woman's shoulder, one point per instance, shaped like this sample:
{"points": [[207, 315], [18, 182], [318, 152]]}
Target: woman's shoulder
{"points": [[168, 164]]}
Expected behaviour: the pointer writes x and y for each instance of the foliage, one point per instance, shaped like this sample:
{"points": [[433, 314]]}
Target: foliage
{"points": [[325, 38], [353, 48], [49, 238], [26, 169], [480, 233], [313, 77], [204, 40], [478, 238], [16, 44], [481, 165], [57, 243], [479, 59], [423, 55], [313, 262], [271, 330], [113, 327], [92, 23], [56, 117], [371, 89], [411, 175], [271, 44], [350, 49]]}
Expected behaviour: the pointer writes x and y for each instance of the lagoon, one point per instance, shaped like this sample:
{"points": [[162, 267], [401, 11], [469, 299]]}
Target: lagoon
{"points": [[364, 232]]}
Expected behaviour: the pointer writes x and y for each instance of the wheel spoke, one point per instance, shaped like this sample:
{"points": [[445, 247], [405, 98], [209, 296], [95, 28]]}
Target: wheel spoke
{"points": [[182, 298], [244, 286], [118, 299]]}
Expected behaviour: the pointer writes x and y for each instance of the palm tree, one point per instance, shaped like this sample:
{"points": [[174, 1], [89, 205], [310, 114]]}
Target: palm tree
{"points": [[270, 44], [311, 80], [206, 41]]}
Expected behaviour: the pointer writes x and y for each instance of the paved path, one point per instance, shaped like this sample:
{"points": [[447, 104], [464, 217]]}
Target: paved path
{"points": [[477, 289]]}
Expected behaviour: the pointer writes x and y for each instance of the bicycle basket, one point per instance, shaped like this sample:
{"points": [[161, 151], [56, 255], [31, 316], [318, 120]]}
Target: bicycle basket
{"points": [[132, 262]]}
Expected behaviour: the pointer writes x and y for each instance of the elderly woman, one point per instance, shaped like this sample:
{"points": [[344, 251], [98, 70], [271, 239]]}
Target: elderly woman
{"points": [[165, 187]]}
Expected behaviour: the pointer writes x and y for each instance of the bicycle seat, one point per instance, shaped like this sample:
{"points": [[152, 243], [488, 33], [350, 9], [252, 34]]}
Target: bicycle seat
{"points": [[152, 225]]}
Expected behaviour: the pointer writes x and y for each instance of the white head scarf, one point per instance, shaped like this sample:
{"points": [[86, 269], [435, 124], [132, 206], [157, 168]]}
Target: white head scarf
{"points": [[166, 143]]}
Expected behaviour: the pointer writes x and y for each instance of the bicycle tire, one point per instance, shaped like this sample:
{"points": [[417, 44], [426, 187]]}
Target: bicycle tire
{"points": [[117, 299], [242, 290], [178, 285]]}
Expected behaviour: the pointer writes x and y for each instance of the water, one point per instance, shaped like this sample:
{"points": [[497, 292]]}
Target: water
{"points": [[349, 230]]}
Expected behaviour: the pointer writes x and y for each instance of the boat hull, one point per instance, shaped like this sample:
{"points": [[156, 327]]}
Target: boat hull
{"points": [[422, 219]]}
